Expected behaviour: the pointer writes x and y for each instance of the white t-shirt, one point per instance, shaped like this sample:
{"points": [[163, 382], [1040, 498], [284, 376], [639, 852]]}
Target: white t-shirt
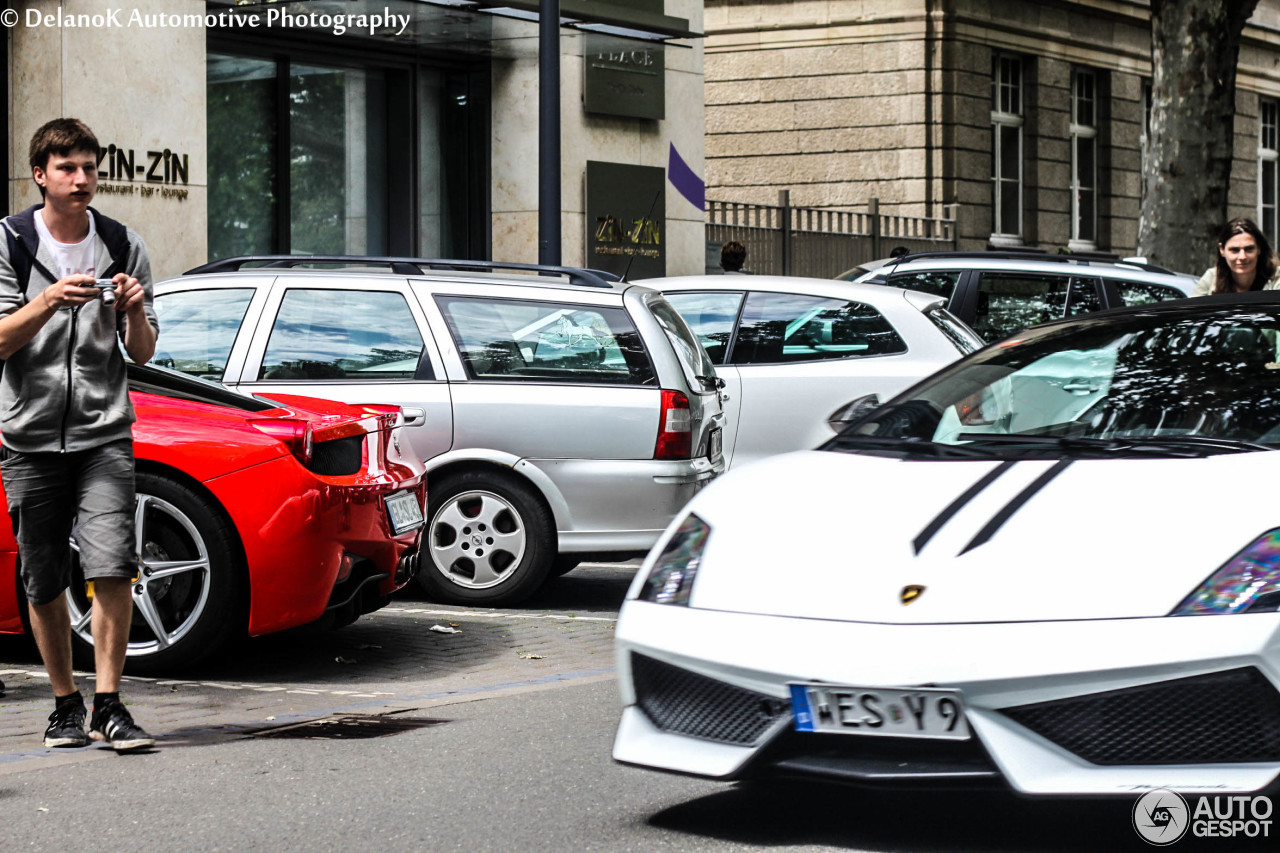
{"points": [[70, 258]]}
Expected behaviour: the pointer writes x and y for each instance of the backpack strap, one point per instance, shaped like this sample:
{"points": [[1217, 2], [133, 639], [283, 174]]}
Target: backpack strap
{"points": [[116, 238], [22, 261]]}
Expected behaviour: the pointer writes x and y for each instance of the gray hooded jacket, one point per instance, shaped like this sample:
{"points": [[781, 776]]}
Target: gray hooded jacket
{"points": [[67, 389]]}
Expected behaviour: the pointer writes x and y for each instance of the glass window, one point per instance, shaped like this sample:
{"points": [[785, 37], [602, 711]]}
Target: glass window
{"points": [[1154, 381], [1142, 293], [1084, 158], [782, 327], [935, 282], [694, 361], [711, 316], [516, 340], [344, 334], [1006, 148], [241, 101], [337, 161], [1144, 140], [306, 157], [1268, 178], [1011, 302], [200, 326]]}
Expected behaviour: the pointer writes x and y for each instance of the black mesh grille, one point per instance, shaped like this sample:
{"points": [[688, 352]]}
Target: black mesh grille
{"points": [[680, 701], [339, 457], [1231, 716]]}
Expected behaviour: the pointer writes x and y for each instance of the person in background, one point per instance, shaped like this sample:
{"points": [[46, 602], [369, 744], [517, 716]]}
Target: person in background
{"points": [[732, 256], [1245, 262]]}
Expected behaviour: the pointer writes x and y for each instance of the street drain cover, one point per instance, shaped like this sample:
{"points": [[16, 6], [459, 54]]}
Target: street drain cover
{"points": [[349, 728]]}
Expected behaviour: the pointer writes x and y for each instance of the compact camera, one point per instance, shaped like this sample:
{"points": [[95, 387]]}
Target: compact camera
{"points": [[108, 288]]}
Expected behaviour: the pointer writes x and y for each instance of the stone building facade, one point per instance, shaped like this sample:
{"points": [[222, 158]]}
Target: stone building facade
{"points": [[397, 127], [1028, 118]]}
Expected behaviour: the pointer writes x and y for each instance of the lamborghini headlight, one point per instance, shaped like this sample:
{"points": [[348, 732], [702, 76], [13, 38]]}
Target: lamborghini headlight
{"points": [[1249, 583], [671, 579]]}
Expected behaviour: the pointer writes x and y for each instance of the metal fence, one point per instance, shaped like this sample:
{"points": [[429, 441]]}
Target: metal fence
{"points": [[811, 241]]}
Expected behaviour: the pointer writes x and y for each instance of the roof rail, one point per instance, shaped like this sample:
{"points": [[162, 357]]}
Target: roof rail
{"points": [[1084, 259], [408, 266]]}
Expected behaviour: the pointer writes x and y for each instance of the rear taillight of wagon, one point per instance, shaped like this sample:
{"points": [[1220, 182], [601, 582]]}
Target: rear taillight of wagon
{"points": [[675, 428]]}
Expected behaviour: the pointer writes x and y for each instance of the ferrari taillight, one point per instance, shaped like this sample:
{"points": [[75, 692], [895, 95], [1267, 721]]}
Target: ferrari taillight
{"points": [[294, 433], [675, 428]]}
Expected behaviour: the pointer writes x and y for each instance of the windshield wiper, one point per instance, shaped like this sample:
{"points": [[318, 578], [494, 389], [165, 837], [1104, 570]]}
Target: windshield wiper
{"points": [[906, 446], [1178, 445], [1208, 442]]}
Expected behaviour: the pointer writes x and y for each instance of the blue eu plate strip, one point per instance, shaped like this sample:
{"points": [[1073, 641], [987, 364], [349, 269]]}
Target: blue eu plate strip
{"points": [[800, 708]]}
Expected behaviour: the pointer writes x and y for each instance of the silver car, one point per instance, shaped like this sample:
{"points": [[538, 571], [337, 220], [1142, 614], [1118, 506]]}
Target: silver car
{"points": [[562, 415], [800, 357]]}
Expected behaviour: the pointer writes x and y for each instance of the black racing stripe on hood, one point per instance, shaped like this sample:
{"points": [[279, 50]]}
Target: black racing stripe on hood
{"points": [[956, 505], [997, 521]]}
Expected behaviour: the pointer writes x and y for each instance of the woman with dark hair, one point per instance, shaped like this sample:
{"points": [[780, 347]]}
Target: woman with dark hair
{"points": [[1245, 262]]}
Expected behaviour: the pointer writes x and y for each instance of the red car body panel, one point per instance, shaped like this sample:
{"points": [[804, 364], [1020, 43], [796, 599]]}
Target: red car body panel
{"points": [[294, 525]]}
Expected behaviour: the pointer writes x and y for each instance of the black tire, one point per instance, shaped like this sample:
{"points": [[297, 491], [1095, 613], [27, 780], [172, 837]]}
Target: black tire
{"points": [[564, 564], [489, 541], [197, 609]]}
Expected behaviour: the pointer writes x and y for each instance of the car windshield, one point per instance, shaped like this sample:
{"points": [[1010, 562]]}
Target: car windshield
{"points": [[1189, 382]]}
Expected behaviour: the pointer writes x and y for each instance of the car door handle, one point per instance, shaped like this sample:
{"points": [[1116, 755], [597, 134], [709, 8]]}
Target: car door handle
{"points": [[1080, 388], [413, 416]]}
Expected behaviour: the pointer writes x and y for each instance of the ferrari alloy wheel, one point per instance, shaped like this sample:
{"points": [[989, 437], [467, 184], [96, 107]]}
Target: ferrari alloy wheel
{"points": [[186, 594], [490, 539]]}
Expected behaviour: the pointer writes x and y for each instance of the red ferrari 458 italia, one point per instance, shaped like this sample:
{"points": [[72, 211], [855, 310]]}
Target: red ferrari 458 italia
{"points": [[253, 515]]}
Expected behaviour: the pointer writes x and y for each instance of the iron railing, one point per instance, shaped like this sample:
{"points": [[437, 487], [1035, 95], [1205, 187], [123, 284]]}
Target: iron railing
{"points": [[820, 242]]}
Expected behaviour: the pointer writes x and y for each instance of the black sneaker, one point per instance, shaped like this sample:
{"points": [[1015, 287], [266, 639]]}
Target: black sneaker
{"points": [[66, 726], [114, 725]]}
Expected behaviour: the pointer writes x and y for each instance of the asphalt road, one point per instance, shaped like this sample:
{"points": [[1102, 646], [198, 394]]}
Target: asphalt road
{"points": [[515, 717]]}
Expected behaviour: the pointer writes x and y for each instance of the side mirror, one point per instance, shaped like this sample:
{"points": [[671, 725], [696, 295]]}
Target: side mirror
{"points": [[852, 411]]}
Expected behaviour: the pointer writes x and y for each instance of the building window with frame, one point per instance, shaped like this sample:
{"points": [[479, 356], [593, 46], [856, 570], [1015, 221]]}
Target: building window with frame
{"points": [[1144, 140], [1268, 179], [1084, 160], [1006, 150]]}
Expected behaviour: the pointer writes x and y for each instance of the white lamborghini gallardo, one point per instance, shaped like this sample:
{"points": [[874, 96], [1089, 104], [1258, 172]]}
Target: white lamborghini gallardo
{"points": [[1054, 565]]}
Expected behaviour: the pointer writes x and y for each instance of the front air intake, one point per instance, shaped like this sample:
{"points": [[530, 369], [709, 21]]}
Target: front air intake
{"points": [[686, 703], [1223, 717]]}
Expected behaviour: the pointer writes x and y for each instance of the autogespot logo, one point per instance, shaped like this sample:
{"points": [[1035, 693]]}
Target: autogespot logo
{"points": [[1160, 817]]}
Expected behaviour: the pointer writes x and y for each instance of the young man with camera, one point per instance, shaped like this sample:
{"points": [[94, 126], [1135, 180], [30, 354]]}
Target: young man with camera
{"points": [[66, 420]]}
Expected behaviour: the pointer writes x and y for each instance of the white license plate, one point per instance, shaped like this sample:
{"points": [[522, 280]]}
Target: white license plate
{"points": [[715, 444], [923, 712], [405, 511]]}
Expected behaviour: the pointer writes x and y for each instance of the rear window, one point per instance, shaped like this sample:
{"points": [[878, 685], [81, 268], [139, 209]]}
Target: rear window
{"points": [[694, 360], [1143, 293], [934, 282], [178, 386], [782, 327], [711, 315], [200, 327], [523, 341], [361, 335]]}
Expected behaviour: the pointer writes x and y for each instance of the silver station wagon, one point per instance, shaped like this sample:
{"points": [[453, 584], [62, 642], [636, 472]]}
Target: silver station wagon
{"points": [[563, 415]]}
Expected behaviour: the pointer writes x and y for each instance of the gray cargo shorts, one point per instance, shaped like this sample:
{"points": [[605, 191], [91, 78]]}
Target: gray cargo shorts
{"points": [[48, 493]]}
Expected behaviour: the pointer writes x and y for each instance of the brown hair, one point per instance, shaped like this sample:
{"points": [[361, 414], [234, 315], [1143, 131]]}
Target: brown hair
{"points": [[732, 256], [1266, 268], [60, 137]]}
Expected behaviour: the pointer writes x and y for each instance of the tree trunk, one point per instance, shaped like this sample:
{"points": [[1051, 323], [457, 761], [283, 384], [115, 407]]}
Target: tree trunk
{"points": [[1194, 48]]}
